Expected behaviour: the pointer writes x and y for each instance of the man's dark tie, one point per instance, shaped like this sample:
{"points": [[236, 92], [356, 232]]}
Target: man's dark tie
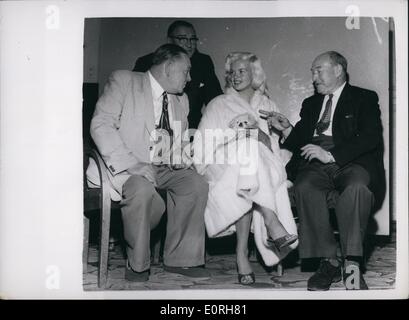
{"points": [[164, 122], [325, 120]]}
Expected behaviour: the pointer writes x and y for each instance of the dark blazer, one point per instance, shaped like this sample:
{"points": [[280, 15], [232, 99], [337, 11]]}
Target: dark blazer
{"points": [[203, 87], [356, 131]]}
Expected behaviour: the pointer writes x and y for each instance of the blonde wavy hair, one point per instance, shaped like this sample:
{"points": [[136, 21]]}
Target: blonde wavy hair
{"points": [[259, 77]]}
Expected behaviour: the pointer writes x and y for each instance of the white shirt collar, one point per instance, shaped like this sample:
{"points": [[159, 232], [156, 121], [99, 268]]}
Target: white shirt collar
{"points": [[157, 89], [337, 92]]}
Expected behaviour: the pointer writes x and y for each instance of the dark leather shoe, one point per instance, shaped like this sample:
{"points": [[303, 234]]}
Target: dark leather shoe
{"points": [[326, 274], [135, 276], [192, 272], [350, 278]]}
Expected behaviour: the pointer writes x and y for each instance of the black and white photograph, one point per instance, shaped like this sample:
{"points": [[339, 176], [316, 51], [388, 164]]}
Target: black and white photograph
{"points": [[204, 150]]}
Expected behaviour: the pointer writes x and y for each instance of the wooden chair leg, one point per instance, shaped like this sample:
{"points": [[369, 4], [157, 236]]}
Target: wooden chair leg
{"points": [[85, 246], [104, 239]]}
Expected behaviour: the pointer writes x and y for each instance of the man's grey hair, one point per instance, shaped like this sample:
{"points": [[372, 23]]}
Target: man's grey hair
{"points": [[337, 58]]}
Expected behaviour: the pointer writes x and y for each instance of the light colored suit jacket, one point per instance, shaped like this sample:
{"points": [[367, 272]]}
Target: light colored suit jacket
{"points": [[123, 124]]}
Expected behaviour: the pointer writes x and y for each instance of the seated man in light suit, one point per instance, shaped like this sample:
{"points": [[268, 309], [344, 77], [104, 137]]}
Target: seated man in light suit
{"points": [[127, 117], [337, 145]]}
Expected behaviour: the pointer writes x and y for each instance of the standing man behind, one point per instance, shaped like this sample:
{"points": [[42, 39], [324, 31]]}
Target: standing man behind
{"points": [[204, 85], [132, 109], [337, 145]]}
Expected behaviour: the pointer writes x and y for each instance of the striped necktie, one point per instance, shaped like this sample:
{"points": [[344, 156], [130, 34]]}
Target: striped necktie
{"points": [[325, 120], [164, 122]]}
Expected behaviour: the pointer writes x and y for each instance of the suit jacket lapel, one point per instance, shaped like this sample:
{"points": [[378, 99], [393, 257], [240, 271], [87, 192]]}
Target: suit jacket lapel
{"points": [[342, 107], [316, 110], [174, 104], [148, 108]]}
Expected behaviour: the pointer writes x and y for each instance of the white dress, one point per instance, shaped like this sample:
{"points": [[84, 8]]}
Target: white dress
{"points": [[242, 171]]}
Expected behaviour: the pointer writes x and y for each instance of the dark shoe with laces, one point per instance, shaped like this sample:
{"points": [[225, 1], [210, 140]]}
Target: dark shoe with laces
{"points": [[350, 277], [326, 274]]}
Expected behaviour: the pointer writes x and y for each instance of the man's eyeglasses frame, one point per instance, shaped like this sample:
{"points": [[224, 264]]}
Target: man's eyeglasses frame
{"points": [[185, 40]]}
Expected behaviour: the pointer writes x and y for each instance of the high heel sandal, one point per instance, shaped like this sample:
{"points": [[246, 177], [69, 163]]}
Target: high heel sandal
{"points": [[282, 242], [247, 279]]}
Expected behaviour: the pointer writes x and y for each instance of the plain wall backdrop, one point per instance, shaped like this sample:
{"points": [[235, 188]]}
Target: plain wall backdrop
{"points": [[286, 47]]}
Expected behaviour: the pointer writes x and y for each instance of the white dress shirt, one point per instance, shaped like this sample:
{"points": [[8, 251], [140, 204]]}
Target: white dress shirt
{"points": [[335, 98], [157, 92]]}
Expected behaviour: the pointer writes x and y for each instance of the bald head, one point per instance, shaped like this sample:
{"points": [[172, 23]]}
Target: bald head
{"points": [[328, 72], [171, 68]]}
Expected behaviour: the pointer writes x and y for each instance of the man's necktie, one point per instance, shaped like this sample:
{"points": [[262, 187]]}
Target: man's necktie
{"points": [[164, 122], [325, 120]]}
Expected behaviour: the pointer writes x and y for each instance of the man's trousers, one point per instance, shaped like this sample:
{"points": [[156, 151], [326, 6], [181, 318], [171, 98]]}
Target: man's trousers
{"points": [[313, 183], [142, 209]]}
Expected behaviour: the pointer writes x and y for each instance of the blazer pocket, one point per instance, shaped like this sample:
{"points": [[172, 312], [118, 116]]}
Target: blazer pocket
{"points": [[349, 125]]}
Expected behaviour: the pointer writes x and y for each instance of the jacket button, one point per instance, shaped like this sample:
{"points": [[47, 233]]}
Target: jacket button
{"points": [[150, 148]]}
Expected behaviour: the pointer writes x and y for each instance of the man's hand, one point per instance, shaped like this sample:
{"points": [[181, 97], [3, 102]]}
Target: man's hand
{"points": [[145, 170], [312, 151], [186, 160], [275, 120], [179, 166]]}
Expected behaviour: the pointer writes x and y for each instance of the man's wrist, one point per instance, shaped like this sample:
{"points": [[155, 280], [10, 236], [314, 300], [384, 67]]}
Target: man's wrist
{"points": [[285, 133], [331, 158]]}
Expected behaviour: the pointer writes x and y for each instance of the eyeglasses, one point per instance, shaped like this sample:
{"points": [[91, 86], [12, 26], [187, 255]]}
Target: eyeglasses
{"points": [[185, 40]]}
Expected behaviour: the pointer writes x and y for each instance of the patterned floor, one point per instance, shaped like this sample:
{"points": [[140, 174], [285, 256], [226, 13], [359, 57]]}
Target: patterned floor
{"points": [[380, 272]]}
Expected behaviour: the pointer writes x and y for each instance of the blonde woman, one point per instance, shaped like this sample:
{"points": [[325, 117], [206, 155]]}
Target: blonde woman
{"points": [[244, 166]]}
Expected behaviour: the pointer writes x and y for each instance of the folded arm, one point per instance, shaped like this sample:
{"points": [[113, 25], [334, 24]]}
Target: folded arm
{"points": [[106, 122]]}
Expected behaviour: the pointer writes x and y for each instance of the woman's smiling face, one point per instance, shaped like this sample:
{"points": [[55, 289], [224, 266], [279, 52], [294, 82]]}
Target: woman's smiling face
{"points": [[241, 75]]}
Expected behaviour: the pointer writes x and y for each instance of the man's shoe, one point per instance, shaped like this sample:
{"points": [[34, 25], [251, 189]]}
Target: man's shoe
{"points": [[350, 277], [135, 276], [192, 272], [326, 274]]}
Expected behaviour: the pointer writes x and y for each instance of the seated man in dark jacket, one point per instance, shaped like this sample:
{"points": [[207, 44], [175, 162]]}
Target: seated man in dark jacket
{"points": [[337, 145], [204, 85]]}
